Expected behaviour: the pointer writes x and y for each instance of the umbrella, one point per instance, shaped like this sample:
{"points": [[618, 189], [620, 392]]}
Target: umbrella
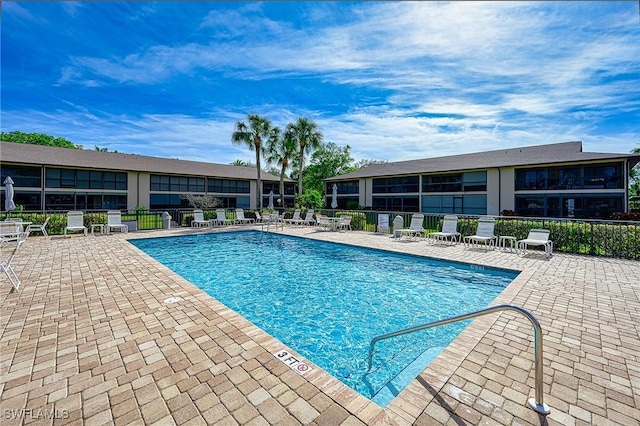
{"points": [[8, 192], [271, 200], [334, 197]]}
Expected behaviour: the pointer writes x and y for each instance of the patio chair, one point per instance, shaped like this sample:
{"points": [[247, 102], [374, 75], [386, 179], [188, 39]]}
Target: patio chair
{"points": [[258, 217], [199, 220], [295, 219], [308, 218], [449, 231], [12, 231], [323, 221], [415, 228], [114, 220], [344, 224], [38, 228], [75, 222], [5, 263], [241, 219], [221, 218], [536, 237], [484, 234]]}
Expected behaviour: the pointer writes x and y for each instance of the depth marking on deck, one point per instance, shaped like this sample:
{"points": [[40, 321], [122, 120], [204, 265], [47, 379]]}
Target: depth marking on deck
{"points": [[294, 363]]}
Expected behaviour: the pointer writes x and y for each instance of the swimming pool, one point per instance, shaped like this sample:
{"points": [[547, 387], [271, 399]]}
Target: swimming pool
{"points": [[327, 301]]}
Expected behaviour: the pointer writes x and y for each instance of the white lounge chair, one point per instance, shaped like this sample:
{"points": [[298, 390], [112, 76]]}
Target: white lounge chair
{"points": [[199, 220], [449, 230], [114, 220], [295, 219], [308, 218], [484, 234], [221, 218], [536, 237], [5, 263], [39, 228], [241, 219], [415, 228], [75, 222], [258, 217]]}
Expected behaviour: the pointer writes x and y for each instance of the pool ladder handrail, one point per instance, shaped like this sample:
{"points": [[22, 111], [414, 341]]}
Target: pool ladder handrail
{"points": [[537, 403], [271, 219]]}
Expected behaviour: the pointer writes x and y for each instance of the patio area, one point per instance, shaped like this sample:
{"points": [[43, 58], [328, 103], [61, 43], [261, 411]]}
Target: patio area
{"points": [[91, 339]]}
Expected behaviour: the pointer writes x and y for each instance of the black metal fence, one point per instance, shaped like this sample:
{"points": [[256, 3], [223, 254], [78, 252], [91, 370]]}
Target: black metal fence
{"points": [[620, 239]]}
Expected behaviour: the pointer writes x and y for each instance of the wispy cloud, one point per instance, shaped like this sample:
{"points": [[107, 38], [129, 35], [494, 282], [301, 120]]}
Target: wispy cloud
{"points": [[394, 80]]}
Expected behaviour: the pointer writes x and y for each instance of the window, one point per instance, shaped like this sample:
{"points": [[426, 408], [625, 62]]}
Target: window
{"points": [[584, 206], [289, 188], [166, 201], [396, 185], [588, 176], [225, 186], [22, 175], [350, 187], [180, 184], [84, 201], [85, 179], [407, 203], [462, 204]]}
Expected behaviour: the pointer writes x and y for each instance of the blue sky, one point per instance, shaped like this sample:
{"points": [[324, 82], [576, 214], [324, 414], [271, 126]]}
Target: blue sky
{"points": [[394, 80]]}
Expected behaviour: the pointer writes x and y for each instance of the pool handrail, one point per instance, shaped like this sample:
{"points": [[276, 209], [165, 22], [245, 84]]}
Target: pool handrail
{"points": [[536, 404]]}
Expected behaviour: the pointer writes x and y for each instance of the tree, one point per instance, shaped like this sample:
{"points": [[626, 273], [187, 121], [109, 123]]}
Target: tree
{"points": [[634, 175], [253, 135], [201, 201], [242, 163], [280, 151], [308, 137], [37, 139], [327, 161], [365, 163]]}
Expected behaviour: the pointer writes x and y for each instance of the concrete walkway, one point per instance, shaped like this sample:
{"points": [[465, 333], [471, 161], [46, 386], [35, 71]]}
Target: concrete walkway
{"points": [[89, 339]]}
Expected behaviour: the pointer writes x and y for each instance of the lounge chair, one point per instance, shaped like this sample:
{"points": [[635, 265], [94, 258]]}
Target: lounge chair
{"points": [[449, 230], [536, 237], [38, 228], [295, 219], [75, 222], [221, 218], [114, 220], [484, 234], [415, 228], [258, 217], [199, 220], [308, 218], [5, 263], [241, 219]]}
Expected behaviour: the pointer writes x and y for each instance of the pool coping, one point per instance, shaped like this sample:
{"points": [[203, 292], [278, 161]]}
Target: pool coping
{"points": [[481, 376]]}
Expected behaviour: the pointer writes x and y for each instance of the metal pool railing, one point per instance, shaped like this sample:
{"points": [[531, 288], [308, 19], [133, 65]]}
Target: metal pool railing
{"points": [[537, 404]]}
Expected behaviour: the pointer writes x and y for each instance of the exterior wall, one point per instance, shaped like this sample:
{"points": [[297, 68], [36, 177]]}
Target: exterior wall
{"points": [[140, 183], [493, 192], [507, 189]]}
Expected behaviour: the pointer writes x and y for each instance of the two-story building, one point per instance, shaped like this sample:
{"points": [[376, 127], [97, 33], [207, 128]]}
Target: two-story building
{"points": [[555, 180], [51, 178]]}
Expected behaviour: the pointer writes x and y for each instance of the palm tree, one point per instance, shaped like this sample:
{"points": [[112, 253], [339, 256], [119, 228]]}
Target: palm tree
{"points": [[280, 151], [252, 135], [307, 136]]}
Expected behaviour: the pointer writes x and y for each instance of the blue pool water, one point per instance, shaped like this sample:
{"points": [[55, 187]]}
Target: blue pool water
{"points": [[327, 301]]}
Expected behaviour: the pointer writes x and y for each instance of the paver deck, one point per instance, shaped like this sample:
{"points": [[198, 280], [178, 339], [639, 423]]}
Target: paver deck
{"points": [[89, 340]]}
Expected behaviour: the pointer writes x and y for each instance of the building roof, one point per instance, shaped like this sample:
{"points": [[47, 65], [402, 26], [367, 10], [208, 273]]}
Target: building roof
{"points": [[564, 152], [66, 157]]}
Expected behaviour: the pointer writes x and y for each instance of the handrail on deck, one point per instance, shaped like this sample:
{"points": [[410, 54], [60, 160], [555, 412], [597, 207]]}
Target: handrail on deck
{"points": [[537, 403]]}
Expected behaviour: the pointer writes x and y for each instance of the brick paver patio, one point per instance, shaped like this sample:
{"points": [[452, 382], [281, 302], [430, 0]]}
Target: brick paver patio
{"points": [[89, 340]]}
